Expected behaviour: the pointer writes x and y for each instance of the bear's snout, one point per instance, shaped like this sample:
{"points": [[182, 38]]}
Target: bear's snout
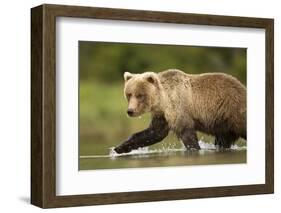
{"points": [[130, 112]]}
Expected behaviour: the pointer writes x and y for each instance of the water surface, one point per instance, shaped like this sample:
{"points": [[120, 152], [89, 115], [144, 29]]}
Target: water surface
{"points": [[145, 157]]}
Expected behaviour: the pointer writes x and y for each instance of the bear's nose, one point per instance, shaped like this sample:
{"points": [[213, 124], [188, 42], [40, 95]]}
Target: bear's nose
{"points": [[130, 112]]}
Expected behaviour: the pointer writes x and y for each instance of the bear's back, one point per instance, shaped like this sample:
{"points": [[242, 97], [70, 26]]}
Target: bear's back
{"points": [[173, 78], [171, 74]]}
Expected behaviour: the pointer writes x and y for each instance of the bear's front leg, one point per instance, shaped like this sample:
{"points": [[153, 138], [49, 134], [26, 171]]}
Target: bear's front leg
{"points": [[189, 139], [156, 132]]}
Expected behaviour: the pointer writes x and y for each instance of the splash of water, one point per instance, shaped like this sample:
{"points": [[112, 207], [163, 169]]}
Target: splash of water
{"points": [[112, 153], [210, 146], [168, 149], [206, 146], [143, 151], [164, 149]]}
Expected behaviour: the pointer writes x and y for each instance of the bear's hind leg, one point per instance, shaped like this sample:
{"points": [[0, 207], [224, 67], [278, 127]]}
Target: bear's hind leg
{"points": [[189, 139], [226, 140]]}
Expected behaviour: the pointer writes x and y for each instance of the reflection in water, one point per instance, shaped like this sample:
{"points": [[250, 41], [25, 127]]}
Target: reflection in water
{"points": [[144, 157]]}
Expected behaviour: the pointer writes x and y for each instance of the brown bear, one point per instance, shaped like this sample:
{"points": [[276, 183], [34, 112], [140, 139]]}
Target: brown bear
{"points": [[213, 103]]}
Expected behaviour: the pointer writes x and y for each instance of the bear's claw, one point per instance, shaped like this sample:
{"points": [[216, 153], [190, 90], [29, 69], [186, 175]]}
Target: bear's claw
{"points": [[121, 149]]}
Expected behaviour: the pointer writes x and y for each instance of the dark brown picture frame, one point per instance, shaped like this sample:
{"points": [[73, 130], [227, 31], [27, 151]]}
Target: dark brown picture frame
{"points": [[43, 105]]}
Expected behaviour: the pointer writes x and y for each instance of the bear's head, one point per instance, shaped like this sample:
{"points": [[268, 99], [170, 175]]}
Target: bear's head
{"points": [[141, 92]]}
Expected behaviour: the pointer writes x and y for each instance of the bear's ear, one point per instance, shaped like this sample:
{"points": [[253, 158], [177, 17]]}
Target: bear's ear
{"points": [[152, 78], [128, 76]]}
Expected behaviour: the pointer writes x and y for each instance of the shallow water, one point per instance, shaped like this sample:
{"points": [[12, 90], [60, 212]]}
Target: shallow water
{"points": [[145, 157]]}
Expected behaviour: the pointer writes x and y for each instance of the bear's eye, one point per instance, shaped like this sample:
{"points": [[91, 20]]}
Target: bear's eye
{"points": [[140, 96], [129, 96]]}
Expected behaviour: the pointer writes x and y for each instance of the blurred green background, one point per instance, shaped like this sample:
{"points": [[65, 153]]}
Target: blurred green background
{"points": [[103, 120]]}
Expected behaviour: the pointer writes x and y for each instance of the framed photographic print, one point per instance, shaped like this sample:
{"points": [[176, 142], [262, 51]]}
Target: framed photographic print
{"points": [[136, 106]]}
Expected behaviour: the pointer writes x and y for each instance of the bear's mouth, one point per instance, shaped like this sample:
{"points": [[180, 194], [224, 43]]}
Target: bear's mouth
{"points": [[131, 113]]}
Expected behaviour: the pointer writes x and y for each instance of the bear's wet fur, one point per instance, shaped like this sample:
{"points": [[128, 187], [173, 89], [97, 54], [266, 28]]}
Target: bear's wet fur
{"points": [[213, 103]]}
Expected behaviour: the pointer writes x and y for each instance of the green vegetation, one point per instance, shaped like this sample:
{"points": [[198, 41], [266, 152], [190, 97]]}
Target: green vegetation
{"points": [[103, 120], [107, 61]]}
